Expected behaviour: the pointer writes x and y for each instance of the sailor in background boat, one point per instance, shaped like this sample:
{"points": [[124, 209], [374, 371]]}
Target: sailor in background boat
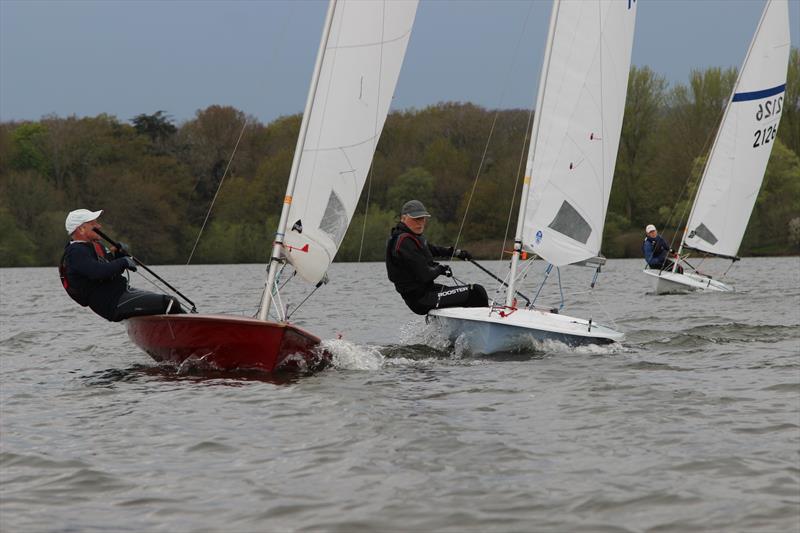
{"points": [[656, 250], [92, 275], [410, 265]]}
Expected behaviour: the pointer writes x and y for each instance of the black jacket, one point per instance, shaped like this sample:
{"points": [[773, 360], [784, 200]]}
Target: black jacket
{"points": [[410, 264], [93, 279]]}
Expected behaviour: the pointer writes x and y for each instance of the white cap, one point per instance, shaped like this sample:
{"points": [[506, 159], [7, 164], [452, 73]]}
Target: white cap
{"points": [[78, 217], [649, 228]]}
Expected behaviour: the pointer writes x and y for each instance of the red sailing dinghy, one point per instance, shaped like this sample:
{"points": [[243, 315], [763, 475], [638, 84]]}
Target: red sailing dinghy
{"points": [[357, 66], [226, 342]]}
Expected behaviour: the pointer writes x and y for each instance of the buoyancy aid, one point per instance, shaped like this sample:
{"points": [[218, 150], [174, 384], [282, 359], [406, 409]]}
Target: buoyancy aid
{"points": [[79, 296], [409, 261]]}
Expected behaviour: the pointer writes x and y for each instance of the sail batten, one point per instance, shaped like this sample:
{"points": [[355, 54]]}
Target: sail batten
{"points": [[738, 159]]}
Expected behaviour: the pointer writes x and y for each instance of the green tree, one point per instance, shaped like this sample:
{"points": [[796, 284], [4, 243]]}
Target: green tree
{"points": [[157, 126], [26, 148], [414, 184], [778, 203], [638, 144], [789, 130]]}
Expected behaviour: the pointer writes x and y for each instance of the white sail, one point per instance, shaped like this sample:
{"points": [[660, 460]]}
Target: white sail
{"points": [[735, 168], [574, 146], [360, 66]]}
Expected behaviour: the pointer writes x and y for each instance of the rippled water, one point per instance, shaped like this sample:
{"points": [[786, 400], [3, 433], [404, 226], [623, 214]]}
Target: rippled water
{"points": [[693, 424]]}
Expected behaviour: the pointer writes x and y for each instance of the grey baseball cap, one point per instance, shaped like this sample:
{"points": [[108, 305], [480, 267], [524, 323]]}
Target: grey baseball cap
{"points": [[414, 209]]}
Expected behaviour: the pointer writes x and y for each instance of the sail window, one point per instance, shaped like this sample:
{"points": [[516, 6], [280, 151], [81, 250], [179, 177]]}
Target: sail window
{"points": [[334, 221], [704, 233], [569, 222]]}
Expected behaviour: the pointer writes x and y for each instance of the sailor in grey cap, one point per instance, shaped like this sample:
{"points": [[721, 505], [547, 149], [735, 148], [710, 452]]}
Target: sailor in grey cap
{"points": [[411, 267]]}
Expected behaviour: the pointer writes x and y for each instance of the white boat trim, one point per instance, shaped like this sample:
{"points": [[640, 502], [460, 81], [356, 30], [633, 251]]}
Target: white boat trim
{"points": [[487, 330], [669, 282]]}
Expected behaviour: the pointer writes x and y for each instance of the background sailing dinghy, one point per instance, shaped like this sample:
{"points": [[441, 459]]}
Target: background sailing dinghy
{"points": [[357, 66], [738, 159], [573, 150]]}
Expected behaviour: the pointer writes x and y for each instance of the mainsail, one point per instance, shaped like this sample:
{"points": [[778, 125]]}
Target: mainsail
{"points": [[360, 65], [735, 168], [577, 129]]}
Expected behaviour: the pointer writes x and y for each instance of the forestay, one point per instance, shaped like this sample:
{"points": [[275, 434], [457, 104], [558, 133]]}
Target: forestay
{"points": [[574, 148], [738, 159], [359, 71]]}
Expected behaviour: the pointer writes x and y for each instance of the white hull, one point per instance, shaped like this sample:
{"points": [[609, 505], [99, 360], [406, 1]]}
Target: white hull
{"points": [[668, 282], [484, 331]]}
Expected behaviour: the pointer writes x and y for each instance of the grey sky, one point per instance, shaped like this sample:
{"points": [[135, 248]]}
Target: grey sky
{"points": [[130, 57]]}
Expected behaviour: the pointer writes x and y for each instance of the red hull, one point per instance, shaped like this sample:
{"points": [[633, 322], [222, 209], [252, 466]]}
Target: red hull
{"points": [[225, 342]]}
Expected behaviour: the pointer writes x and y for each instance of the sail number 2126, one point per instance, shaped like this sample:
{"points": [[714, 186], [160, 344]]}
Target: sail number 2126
{"points": [[768, 109]]}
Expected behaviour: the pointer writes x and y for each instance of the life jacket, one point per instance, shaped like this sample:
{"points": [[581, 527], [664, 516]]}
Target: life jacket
{"points": [[73, 292], [397, 268]]}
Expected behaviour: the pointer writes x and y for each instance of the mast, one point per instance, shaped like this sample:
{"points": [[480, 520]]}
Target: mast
{"points": [[277, 248], [526, 183], [717, 136]]}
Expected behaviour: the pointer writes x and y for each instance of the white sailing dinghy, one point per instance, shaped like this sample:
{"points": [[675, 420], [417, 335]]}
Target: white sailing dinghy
{"points": [[568, 174], [738, 158], [357, 67]]}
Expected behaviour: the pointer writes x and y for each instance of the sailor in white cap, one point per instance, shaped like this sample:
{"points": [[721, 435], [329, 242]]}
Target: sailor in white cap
{"points": [[656, 250], [92, 275]]}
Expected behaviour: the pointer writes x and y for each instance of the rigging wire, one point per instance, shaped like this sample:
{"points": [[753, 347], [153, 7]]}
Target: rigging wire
{"points": [[489, 140], [216, 193], [276, 51], [491, 131], [685, 187], [516, 181]]}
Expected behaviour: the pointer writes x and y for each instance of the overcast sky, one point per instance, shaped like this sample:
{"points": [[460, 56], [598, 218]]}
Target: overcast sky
{"points": [[130, 57]]}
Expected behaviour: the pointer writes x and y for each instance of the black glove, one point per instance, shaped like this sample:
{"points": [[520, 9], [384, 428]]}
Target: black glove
{"points": [[122, 249], [130, 264], [463, 254], [444, 270]]}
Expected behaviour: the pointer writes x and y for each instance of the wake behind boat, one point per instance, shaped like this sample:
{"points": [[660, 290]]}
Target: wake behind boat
{"points": [[358, 63], [568, 175], [738, 159]]}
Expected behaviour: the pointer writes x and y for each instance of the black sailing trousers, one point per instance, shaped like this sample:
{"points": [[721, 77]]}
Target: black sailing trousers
{"points": [[441, 296]]}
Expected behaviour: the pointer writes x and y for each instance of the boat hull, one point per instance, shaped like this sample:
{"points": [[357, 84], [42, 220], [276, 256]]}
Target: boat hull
{"points": [[483, 331], [668, 282], [226, 343]]}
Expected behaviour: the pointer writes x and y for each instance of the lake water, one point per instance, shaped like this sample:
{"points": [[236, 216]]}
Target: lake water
{"points": [[692, 424]]}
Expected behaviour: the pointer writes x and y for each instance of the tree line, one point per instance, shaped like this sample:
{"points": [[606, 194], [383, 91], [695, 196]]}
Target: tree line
{"points": [[157, 180]]}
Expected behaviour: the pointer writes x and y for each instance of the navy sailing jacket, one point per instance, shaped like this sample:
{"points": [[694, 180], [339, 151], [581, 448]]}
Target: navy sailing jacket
{"points": [[410, 264], [655, 251], [93, 278]]}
